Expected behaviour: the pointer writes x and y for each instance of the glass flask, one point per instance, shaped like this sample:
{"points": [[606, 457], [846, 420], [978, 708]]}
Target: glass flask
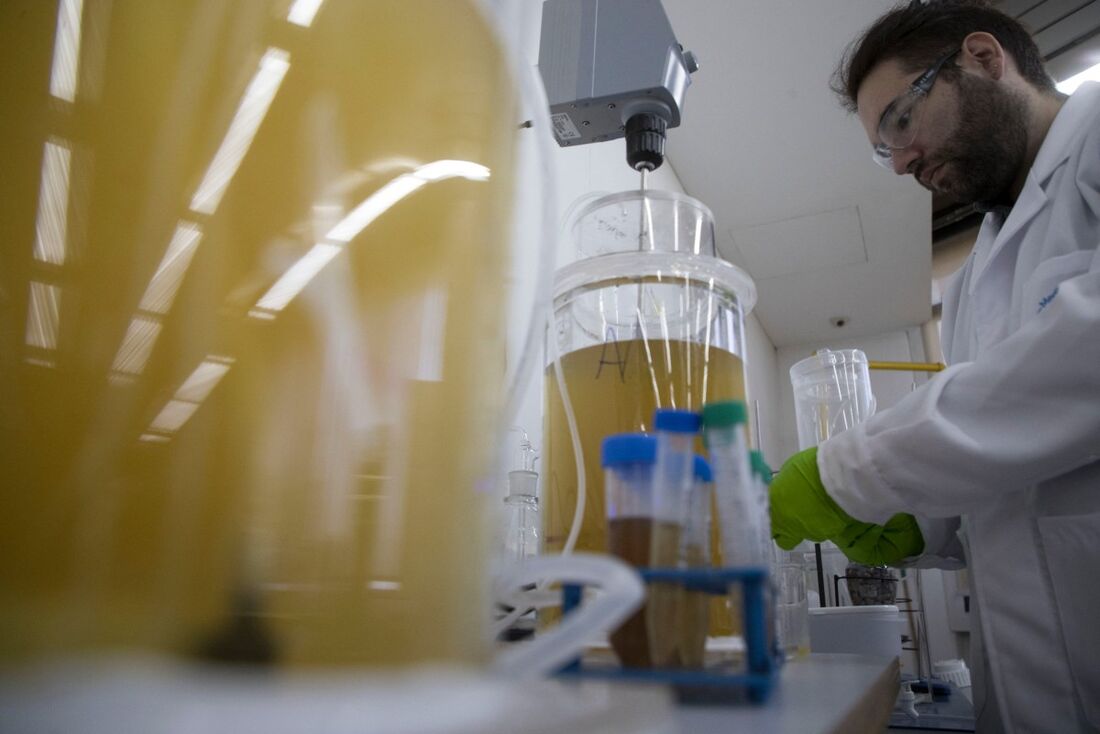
{"points": [[251, 293]]}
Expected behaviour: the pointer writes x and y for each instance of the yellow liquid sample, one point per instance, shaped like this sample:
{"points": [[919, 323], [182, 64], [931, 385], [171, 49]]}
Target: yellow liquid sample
{"points": [[693, 611], [614, 388], [245, 405], [663, 599]]}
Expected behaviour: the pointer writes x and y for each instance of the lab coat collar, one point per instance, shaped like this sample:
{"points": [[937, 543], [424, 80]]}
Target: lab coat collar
{"points": [[1075, 118]]}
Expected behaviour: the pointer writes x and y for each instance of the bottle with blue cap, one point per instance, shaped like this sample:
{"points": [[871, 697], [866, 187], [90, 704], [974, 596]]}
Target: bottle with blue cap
{"points": [[676, 431], [628, 460]]}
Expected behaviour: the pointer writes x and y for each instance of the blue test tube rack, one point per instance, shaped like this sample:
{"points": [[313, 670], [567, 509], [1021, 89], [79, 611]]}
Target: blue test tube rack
{"points": [[715, 684]]}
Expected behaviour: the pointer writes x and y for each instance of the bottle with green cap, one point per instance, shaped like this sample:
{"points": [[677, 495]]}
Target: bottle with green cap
{"points": [[760, 495], [724, 435], [761, 476]]}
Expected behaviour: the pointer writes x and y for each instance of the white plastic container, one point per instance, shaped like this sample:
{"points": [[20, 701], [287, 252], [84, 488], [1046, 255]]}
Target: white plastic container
{"points": [[867, 630]]}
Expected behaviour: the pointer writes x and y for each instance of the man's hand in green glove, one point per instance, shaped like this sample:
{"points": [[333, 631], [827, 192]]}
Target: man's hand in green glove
{"points": [[801, 509], [881, 545]]}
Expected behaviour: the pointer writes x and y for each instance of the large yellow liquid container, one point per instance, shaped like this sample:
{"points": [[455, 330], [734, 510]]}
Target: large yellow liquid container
{"points": [[252, 341], [648, 317]]}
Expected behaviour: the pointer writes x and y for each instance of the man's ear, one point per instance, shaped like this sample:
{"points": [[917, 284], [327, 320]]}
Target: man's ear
{"points": [[982, 54]]}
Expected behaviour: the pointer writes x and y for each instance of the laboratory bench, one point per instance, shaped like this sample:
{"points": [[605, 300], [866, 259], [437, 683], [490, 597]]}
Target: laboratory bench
{"points": [[818, 693]]}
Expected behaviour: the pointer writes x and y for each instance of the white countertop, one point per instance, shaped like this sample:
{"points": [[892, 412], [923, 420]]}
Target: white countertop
{"points": [[820, 693]]}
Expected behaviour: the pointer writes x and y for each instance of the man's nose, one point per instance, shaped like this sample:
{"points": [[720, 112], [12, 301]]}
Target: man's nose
{"points": [[903, 159]]}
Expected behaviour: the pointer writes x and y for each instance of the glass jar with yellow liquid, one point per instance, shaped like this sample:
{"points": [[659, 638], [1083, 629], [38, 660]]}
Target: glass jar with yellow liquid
{"points": [[251, 291], [649, 318]]}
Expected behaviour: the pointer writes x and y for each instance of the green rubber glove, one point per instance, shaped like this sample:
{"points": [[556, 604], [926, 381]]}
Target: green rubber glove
{"points": [[882, 545], [801, 509]]}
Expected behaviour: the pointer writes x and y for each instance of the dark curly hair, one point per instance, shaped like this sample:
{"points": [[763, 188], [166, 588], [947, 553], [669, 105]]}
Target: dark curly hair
{"points": [[918, 33]]}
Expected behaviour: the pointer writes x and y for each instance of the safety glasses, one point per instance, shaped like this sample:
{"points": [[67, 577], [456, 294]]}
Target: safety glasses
{"points": [[898, 125]]}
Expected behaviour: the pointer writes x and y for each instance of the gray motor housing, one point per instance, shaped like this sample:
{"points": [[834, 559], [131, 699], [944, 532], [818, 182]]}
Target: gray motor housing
{"points": [[604, 61]]}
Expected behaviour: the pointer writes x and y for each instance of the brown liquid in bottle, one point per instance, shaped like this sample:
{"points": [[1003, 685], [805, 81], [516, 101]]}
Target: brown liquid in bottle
{"points": [[629, 539]]}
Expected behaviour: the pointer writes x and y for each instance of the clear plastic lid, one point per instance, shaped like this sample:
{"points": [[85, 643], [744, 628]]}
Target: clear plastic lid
{"points": [[663, 236], [643, 221]]}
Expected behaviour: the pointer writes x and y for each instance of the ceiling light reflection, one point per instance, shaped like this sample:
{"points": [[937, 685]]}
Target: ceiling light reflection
{"points": [[253, 108], [302, 12], [43, 315], [173, 415], [204, 379], [398, 189], [297, 277], [136, 346], [188, 398], [439, 170], [66, 50], [51, 228], [373, 206], [166, 280]]}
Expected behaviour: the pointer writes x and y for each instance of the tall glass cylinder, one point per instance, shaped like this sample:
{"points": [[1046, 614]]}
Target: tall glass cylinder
{"points": [[649, 317]]}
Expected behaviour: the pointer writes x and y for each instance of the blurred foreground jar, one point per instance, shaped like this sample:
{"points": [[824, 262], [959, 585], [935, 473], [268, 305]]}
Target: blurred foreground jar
{"points": [[251, 298]]}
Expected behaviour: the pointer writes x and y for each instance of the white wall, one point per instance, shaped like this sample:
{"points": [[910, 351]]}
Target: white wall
{"points": [[762, 375]]}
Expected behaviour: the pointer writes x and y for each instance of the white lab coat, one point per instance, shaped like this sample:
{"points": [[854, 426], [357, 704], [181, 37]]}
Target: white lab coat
{"points": [[999, 455]]}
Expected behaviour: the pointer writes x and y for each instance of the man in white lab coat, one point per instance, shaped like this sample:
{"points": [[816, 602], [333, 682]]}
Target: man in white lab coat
{"points": [[996, 461]]}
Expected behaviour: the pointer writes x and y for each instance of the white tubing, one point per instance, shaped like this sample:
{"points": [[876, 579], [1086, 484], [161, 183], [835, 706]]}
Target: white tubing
{"points": [[574, 437], [620, 591]]}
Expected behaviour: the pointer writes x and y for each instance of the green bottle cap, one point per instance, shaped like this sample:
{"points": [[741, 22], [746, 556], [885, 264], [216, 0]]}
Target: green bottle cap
{"points": [[756, 459], [725, 414]]}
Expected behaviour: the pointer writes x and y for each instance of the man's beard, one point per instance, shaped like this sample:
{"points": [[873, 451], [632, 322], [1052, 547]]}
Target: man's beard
{"points": [[987, 150]]}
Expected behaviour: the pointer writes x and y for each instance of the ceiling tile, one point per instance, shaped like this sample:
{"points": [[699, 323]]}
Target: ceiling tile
{"points": [[802, 244]]}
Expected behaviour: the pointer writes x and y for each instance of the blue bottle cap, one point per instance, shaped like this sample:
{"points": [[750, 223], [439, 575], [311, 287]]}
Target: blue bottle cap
{"points": [[676, 421], [628, 448], [702, 469]]}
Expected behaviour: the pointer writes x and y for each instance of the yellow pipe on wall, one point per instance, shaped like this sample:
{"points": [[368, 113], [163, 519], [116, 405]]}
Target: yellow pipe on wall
{"points": [[906, 366]]}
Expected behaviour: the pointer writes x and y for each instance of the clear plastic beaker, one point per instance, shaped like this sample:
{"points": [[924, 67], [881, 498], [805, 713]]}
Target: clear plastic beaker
{"points": [[792, 603], [832, 393], [648, 318]]}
